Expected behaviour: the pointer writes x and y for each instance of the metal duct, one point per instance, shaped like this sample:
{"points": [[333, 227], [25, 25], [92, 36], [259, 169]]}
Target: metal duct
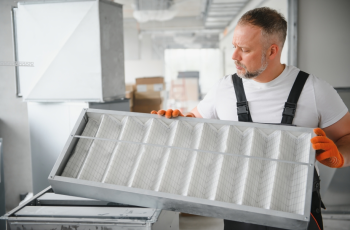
{"points": [[219, 13], [153, 4], [153, 10], [77, 56]]}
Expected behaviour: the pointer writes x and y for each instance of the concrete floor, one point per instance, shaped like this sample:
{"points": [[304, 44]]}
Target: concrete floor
{"points": [[200, 223], [336, 224], [336, 221], [341, 222]]}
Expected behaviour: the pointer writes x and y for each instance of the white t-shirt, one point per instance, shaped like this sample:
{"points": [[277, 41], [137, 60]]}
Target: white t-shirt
{"points": [[319, 105]]}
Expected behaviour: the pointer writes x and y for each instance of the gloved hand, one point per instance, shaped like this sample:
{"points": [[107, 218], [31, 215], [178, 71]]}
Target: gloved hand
{"points": [[326, 151], [171, 113]]}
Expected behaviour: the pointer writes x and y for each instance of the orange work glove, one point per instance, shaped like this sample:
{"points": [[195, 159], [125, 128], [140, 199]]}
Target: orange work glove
{"points": [[171, 113], [326, 151]]}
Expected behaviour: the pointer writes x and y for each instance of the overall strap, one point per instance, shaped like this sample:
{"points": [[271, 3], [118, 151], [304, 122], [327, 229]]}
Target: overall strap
{"points": [[243, 112], [291, 104]]}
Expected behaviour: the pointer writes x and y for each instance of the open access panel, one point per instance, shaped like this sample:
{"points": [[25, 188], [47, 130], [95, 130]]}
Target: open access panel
{"points": [[248, 172]]}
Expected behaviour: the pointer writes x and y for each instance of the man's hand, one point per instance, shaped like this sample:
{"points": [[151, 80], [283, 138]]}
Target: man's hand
{"points": [[172, 113], [326, 151]]}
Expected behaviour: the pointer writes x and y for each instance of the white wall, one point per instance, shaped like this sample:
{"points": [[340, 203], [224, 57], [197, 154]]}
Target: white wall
{"points": [[323, 41], [14, 126], [226, 40], [324, 51], [207, 61], [131, 40], [140, 58], [143, 68], [146, 52]]}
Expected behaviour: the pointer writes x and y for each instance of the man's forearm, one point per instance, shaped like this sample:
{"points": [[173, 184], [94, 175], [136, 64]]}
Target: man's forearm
{"points": [[343, 145], [196, 113]]}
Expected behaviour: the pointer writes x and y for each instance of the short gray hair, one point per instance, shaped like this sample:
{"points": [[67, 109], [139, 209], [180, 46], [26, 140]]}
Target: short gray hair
{"points": [[269, 20]]}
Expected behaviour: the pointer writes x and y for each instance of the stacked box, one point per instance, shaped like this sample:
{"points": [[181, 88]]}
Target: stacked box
{"points": [[129, 93], [148, 94], [184, 94]]}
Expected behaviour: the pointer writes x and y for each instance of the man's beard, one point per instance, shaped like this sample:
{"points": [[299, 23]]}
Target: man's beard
{"points": [[253, 74]]}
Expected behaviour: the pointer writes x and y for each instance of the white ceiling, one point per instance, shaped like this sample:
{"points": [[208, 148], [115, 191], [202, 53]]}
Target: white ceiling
{"points": [[203, 18], [184, 8]]}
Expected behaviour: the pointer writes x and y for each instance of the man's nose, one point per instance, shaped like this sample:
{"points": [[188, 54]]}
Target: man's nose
{"points": [[235, 55]]}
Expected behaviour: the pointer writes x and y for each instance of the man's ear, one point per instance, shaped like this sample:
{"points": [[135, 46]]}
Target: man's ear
{"points": [[273, 51]]}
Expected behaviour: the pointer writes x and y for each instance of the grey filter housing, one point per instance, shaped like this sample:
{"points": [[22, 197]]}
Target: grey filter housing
{"points": [[77, 56], [248, 172]]}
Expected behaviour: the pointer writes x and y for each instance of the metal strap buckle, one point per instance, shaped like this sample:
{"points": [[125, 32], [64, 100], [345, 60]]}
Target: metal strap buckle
{"points": [[289, 109], [242, 107]]}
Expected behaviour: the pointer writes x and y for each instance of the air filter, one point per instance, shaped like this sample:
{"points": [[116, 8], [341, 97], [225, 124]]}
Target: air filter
{"points": [[249, 172]]}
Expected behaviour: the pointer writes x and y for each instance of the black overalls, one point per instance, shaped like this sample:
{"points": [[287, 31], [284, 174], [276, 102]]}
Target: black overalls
{"points": [[287, 119]]}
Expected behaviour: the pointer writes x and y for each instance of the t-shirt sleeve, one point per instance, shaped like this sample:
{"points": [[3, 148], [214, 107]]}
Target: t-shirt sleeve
{"points": [[330, 106], [207, 106]]}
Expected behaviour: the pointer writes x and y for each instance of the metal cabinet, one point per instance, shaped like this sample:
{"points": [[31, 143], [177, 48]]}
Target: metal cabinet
{"points": [[48, 210], [2, 187]]}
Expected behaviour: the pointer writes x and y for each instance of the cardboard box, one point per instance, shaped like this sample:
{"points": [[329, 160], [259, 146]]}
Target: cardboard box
{"points": [[146, 108], [130, 87], [150, 87], [192, 89], [152, 102], [184, 89], [145, 104], [129, 93], [148, 95], [149, 80]]}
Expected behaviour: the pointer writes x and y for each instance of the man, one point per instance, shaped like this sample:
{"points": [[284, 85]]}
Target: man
{"points": [[258, 41]]}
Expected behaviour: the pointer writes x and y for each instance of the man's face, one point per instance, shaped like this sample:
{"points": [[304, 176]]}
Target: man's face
{"points": [[249, 55]]}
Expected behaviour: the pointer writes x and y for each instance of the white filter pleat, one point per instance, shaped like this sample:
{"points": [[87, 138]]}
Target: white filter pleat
{"points": [[267, 177], [191, 160], [295, 148], [152, 157], [296, 195], [289, 189], [100, 152], [303, 148], [126, 156], [234, 169], [251, 193], [164, 161], [227, 175], [179, 164], [290, 179], [213, 179], [81, 150], [207, 165], [260, 179], [281, 187]]}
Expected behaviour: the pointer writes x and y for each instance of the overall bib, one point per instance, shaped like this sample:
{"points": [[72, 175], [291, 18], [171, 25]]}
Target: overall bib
{"points": [[287, 119]]}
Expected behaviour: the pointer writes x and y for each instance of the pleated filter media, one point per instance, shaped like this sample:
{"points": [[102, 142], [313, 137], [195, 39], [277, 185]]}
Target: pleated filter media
{"points": [[260, 167]]}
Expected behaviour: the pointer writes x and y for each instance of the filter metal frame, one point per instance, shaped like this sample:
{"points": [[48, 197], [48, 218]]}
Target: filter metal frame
{"points": [[174, 202]]}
